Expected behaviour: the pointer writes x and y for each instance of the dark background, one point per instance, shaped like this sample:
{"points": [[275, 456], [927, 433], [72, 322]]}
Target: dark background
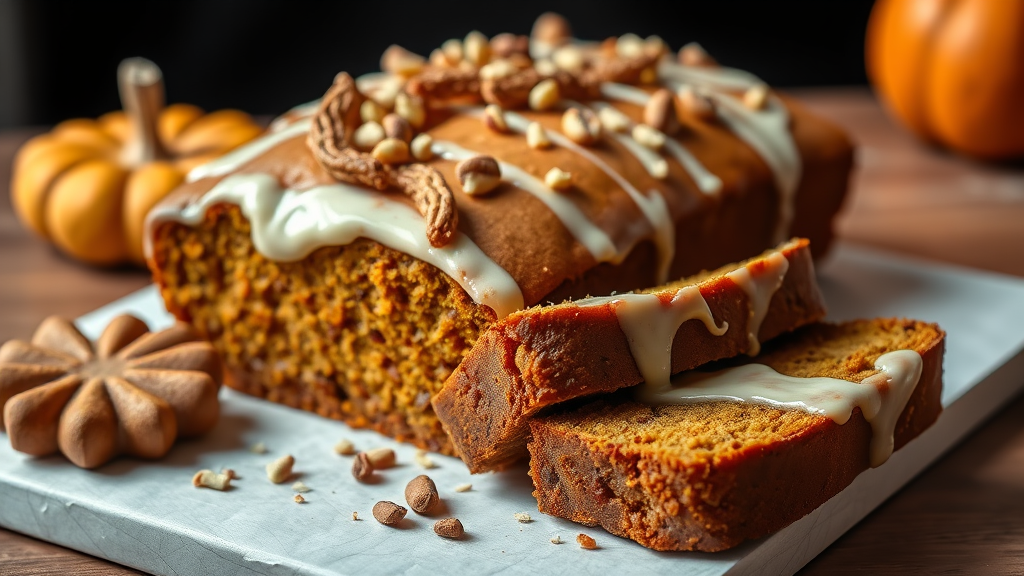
{"points": [[58, 58]]}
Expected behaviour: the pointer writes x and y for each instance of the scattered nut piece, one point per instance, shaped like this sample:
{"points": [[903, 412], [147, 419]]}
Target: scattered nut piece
{"points": [[629, 46], [391, 151], [581, 126], [421, 494], [385, 95], [693, 54], [381, 458], [556, 539], [422, 147], [210, 479], [551, 29], [361, 467], [299, 499], [388, 513], [463, 487], [586, 542], [545, 67], [345, 447], [756, 97], [612, 120], [449, 528], [279, 470], [568, 58], [258, 448], [478, 174], [355, 516], [544, 95], [522, 517], [558, 179], [648, 137], [410, 108], [537, 137], [398, 60], [660, 112], [230, 474], [452, 50], [397, 127], [368, 135], [476, 48], [494, 118], [424, 460], [497, 69], [299, 486], [695, 104]]}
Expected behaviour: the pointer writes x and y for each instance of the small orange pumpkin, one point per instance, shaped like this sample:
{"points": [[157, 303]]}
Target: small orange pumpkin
{"points": [[88, 184], [952, 71]]}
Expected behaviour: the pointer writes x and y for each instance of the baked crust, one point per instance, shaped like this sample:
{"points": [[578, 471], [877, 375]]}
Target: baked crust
{"points": [[543, 356]]}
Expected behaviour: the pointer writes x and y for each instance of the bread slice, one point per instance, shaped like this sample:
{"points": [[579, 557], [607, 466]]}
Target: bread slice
{"points": [[543, 356], [707, 476]]}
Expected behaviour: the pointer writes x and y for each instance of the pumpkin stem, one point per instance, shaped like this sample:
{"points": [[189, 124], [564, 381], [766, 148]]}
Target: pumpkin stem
{"points": [[141, 85]]}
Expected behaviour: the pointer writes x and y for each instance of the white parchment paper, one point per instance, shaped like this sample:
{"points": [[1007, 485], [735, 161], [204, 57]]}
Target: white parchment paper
{"points": [[149, 516]]}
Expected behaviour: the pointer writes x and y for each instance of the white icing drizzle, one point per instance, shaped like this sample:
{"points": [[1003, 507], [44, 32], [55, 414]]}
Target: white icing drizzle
{"points": [[651, 205], [592, 237], [287, 225], [245, 154], [759, 288], [650, 326], [293, 115], [767, 132], [653, 162], [881, 398]]}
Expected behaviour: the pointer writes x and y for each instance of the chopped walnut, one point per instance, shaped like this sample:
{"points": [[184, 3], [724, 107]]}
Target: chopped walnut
{"points": [[544, 95], [581, 126], [422, 147], [558, 179], [210, 479], [478, 174], [345, 447], [279, 470], [556, 539], [299, 499], [537, 137], [756, 97], [522, 517]]}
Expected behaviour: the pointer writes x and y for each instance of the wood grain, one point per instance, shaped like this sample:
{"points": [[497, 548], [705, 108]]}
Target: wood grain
{"points": [[965, 515]]}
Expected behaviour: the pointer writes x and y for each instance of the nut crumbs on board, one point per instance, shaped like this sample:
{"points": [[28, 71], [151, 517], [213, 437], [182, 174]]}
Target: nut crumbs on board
{"points": [[464, 487], [586, 542], [522, 517]]}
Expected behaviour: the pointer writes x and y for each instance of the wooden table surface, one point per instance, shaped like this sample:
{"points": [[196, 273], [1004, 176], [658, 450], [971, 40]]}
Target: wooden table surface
{"points": [[964, 515]]}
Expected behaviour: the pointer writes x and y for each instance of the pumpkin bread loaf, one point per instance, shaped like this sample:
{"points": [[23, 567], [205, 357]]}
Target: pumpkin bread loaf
{"points": [[348, 260], [711, 474], [543, 356]]}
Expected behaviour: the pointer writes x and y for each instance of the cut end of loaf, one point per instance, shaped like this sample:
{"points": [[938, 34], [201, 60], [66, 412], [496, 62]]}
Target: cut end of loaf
{"points": [[709, 476]]}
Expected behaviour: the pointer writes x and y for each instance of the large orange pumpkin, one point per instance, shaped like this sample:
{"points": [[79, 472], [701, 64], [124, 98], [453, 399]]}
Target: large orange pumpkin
{"points": [[953, 71], [88, 184]]}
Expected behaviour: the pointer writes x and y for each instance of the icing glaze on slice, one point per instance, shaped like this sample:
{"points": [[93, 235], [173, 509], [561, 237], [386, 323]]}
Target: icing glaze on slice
{"points": [[759, 288], [287, 225], [650, 325], [881, 398]]}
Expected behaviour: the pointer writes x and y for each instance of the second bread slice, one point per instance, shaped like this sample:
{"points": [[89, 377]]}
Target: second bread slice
{"points": [[545, 356]]}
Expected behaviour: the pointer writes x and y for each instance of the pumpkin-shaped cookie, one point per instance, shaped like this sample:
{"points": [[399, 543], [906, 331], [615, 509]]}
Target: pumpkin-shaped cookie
{"points": [[132, 392], [88, 184]]}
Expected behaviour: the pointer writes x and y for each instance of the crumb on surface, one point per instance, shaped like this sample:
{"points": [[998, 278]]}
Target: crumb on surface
{"points": [[299, 499], [556, 539], [522, 517], [258, 448], [299, 486], [464, 487], [586, 542]]}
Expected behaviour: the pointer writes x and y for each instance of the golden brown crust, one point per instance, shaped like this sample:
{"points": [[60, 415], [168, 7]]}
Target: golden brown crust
{"points": [[541, 357], [747, 470]]}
